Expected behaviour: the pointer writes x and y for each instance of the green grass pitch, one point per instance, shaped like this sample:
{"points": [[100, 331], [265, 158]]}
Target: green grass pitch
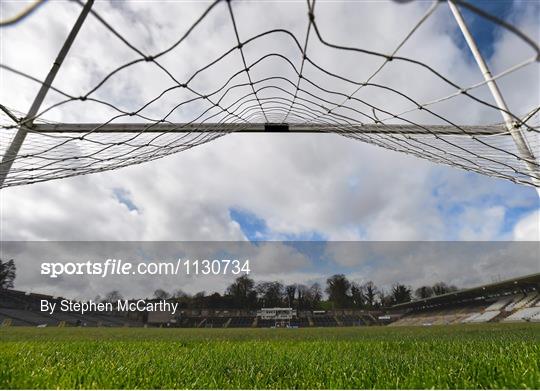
{"points": [[472, 356]]}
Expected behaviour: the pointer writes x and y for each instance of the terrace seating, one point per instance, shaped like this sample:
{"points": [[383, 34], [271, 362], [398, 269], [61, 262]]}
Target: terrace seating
{"points": [[303, 322], [16, 322], [241, 321], [10, 298], [99, 320], [535, 318], [523, 314], [14, 299], [188, 322], [217, 321], [9, 321], [516, 299], [324, 321], [471, 317], [29, 318], [443, 315], [300, 322], [405, 321], [499, 304], [352, 320], [112, 321], [266, 323], [485, 317], [529, 299], [69, 318]]}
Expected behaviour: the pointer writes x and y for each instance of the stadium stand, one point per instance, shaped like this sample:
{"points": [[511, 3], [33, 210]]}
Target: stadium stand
{"points": [[6, 320], [441, 315], [499, 304], [74, 320], [484, 317], [241, 321], [324, 321], [528, 300], [28, 317], [509, 301], [535, 318], [471, 317], [300, 322], [515, 300], [215, 322], [523, 314], [19, 308], [266, 323], [351, 320]]}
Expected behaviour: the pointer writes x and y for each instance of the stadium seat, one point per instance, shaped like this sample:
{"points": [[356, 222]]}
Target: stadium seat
{"points": [[471, 317], [499, 304], [529, 299], [523, 314], [485, 317], [515, 300]]}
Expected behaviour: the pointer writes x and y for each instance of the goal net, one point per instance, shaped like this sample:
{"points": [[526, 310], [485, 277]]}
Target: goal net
{"points": [[234, 67]]}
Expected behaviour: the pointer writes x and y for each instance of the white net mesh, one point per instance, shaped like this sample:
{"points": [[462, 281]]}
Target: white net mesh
{"points": [[276, 76]]}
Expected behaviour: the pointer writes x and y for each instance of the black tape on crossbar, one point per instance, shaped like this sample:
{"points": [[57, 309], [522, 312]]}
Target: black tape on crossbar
{"points": [[276, 128]]}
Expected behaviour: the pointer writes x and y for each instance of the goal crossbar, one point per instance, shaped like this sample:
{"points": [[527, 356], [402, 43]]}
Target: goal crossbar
{"points": [[465, 130]]}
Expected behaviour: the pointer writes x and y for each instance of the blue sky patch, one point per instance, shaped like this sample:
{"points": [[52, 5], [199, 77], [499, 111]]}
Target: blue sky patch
{"points": [[484, 31], [124, 198], [253, 227]]}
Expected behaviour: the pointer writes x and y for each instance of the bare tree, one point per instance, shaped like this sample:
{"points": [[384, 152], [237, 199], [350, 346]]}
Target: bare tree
{"points": [[302, 296], [315, 294], [161, 294], [384, 299], [7, 274], [180, 294], [112, 297], [441, 288], [423, 292], [290, 293], [357, 295]]}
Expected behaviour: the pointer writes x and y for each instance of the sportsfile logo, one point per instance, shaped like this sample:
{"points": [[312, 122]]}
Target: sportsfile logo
{"points": [[118, 267]]}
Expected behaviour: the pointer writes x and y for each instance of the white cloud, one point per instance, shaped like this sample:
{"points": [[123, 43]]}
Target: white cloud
{"points": [[482, 223], [528, 228]]}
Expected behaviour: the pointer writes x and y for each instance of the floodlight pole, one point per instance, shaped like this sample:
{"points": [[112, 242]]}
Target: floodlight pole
{"points": [[523, 149], [16, 143]]}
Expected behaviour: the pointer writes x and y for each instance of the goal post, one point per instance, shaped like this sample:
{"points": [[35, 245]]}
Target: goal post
{"points": [[20, 136], [511, 125]]}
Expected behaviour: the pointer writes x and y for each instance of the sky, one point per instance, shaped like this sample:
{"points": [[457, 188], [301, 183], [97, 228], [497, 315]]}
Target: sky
{"points": [[279, 187]]}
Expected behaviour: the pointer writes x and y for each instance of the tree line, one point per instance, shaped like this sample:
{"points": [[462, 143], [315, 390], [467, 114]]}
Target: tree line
{"points": [[245, 293]]}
